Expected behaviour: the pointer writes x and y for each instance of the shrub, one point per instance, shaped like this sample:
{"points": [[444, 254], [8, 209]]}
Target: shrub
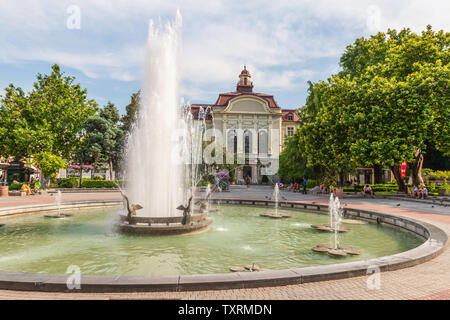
{"points": [[211, 178], [91, 183], [311, 184], [265, 179], [67, 182], [202, 183], [98, 178], [15, 186]]}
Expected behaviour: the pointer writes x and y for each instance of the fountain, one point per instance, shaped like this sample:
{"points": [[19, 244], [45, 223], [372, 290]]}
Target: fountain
{"points": [[164, 147], [276, 214], [58, 198], [335, 213], [334, 248]]}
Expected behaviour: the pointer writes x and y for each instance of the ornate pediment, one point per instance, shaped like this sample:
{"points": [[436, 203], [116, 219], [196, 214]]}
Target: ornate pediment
{"points": [[248, 104]]}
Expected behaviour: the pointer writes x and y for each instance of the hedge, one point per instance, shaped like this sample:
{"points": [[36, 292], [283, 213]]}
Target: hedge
{"points": [[385, 188], [91, 183], [67, 182], [87, 183], [18, 186]]}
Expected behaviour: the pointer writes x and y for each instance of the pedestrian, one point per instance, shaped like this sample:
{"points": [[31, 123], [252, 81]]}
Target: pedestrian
{"points": [[305, 182], [368, 190], [247, 181]]}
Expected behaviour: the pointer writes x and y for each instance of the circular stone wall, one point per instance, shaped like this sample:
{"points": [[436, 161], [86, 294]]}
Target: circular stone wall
{"points": [[436, 240]]}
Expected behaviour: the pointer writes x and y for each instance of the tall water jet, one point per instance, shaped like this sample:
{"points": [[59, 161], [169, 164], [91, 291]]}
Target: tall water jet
{"points": [[164, 147], [276, 191], [335, 211], [154, 173]]}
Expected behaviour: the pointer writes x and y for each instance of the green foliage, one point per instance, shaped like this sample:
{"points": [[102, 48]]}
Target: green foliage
{"points": [[47, 119], [436, 174], [103, 139], [87, 183], [98, 178], [49, 164], [292, 161], [66, 182], [311, 184], [132, 112], [390, 100], [15, 186], [211, 178], [91, 183]]}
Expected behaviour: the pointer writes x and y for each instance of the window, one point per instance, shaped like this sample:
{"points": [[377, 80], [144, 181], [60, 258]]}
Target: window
{"points": [[290, 131], [247, 141], [232, 141], [290, 117], [262, 142]]}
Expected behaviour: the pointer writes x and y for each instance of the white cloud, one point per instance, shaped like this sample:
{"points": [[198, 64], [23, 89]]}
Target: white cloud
{"points": [[278, 40]]}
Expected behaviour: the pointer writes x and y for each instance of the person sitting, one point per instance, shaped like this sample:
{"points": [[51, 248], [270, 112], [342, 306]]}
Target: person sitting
{"points": [[414, 191], [26, 188], [315, 190], [423, 192], [291, 186], [37, 187], [368, 190], [296, 187]]}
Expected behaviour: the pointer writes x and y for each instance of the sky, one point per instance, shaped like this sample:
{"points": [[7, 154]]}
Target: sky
{"points": [[283, 43]]}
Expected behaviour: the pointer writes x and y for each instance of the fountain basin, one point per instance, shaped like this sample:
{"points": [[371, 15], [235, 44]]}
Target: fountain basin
{"points": [[275, 215], [58, 215], [103, 275], [330, 229], [162, 225], [339, 251]]}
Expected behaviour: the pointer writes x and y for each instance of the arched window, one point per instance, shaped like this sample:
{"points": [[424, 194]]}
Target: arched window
{"points": [[247, 141], [232, 141], [290, 117], [263, 142]]}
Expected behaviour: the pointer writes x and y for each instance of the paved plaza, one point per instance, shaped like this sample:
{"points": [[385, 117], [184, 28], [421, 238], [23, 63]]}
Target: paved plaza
{"points": [[429, 280]]}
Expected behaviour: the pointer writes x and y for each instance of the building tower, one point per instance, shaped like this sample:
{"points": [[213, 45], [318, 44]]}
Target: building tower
{"points": [[245, 84]]}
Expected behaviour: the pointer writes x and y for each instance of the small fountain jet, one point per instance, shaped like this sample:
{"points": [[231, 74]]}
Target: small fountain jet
{"points": [[186, 212], [203, 204], [130, 207]]}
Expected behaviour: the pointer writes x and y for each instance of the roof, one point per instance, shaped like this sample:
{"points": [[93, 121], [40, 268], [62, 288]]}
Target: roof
{"points": [[287, 112], [245, 71], [224, 98], [195, 109]]}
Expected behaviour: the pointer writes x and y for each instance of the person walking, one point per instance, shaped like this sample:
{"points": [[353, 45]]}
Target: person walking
{"points": [[305, 181], [247, 181]]}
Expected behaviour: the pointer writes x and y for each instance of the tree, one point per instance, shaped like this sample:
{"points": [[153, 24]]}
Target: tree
{"points": [[49, 164], [292, 162], [47, 120], [60, 107], [132, 112], [390, 100], [103, 141], [417, 65]]}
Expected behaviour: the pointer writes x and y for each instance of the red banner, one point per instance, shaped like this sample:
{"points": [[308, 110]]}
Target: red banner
{"points": [[403, 169]]}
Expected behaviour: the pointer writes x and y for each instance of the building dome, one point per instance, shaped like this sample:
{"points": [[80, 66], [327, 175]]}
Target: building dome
{"points": [[245, 72]]}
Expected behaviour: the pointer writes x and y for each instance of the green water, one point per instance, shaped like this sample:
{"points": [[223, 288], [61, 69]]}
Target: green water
{"points": [[237, 237]]}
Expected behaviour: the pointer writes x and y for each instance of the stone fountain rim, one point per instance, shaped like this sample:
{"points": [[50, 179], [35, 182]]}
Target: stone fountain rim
{"points": [[436, 240]]}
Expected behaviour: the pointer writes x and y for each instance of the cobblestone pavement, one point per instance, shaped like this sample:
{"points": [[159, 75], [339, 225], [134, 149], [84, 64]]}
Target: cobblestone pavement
{"points": [[430, 280]]}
